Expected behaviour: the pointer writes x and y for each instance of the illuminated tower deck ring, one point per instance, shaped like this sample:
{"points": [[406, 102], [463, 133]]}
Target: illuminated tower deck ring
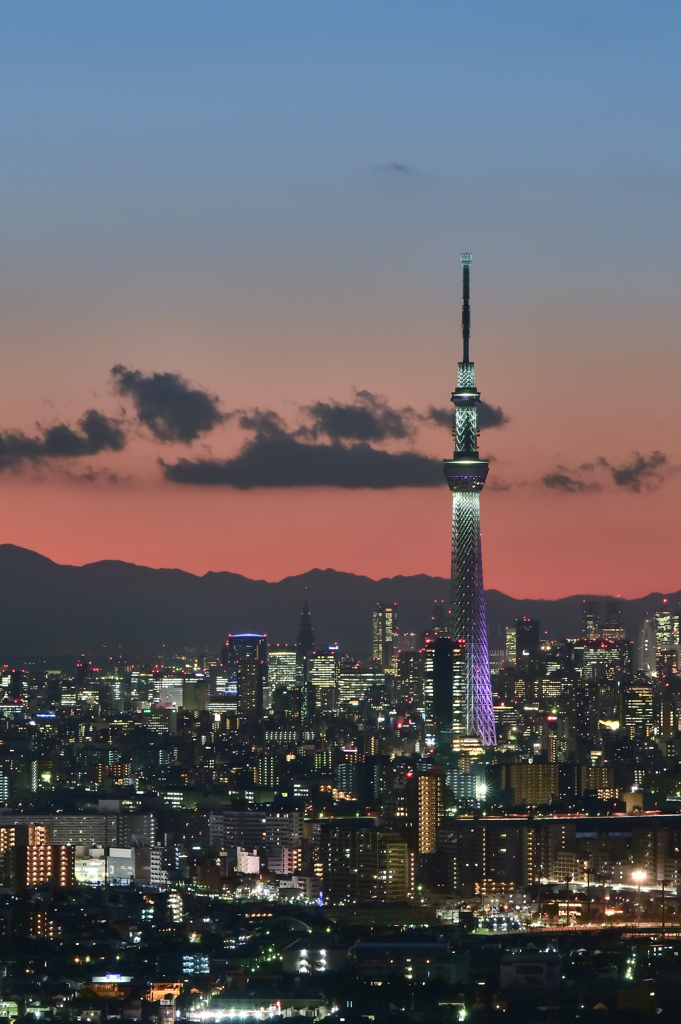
{"points": [[466, 473]]}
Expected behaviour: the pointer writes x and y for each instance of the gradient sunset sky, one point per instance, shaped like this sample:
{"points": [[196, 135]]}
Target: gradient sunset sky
{"points": [[229, 268]]}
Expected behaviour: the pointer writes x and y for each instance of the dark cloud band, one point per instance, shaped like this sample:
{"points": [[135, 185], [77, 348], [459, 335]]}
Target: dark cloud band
{"points": [[98, 433], [276, 458]]}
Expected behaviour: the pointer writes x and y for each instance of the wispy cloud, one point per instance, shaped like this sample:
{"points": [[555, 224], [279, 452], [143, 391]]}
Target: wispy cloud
{"points": [[641, 472], [569, 484]]}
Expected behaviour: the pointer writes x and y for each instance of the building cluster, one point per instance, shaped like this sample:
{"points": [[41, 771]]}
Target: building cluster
{"points": [[303, 781], [435, 830]]}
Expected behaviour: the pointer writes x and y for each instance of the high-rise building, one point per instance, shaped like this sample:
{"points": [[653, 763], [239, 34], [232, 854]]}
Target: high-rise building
{"points": [[511, 646], [466, 473], [591, 626], [667, 641], [636, 710], [244, 658], [445, 660], [282, 680], [304, 649], [323, 682], [646, 653], [440, 621], [532, 784], [383, 634], [366, 865], [431, 806], [613, 627], [281, 668], [526, 638], [410, 677], [305, 640]]}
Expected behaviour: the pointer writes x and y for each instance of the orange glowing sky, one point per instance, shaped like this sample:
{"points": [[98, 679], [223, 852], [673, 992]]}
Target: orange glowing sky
{"points": [[271, 205]]}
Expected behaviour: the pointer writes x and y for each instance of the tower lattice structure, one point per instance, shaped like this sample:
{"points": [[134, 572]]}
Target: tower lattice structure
{"points": [[466, 472]]}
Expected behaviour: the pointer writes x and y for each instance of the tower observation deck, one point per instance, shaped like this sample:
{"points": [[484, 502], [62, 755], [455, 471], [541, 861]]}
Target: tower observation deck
{"points": [[466, 472]]}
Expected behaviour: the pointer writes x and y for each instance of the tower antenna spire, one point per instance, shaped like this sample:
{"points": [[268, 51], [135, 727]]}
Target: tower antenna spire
{"points": [[466, 308]]}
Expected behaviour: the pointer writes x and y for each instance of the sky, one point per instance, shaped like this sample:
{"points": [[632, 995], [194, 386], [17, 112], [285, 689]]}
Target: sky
{"points": [[230, 284]]}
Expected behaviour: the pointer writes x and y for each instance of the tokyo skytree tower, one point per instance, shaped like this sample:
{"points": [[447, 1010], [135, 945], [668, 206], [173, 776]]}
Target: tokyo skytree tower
{"points": [[472, 710]]}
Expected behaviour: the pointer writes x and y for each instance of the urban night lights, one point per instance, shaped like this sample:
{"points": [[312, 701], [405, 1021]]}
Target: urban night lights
{"points": [[272, 745]]}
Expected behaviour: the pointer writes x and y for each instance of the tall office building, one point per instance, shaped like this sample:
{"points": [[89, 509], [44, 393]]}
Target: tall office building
{"points": [[511, 646], [281, 668], [613, 627], [526, 638], [305, 639], [444, 661], [304, 649], [466, 473], [440, 621], [667, 641], [383, 634], [636, 710], [646, 653], [244, 658], [323, 682], [591, 625]]}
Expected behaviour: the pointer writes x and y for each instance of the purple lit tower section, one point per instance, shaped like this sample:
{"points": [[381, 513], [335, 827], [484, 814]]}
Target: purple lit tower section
{"points": [[472, 710]]}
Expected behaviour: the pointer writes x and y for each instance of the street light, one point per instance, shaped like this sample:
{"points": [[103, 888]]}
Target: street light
{"points": [[639, 876]]}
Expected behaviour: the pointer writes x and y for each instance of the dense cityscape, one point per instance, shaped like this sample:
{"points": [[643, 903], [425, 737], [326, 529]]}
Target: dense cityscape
{"points": [[279, 829], [429, 830]]}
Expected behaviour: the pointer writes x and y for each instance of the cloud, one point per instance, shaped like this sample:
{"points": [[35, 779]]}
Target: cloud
{"points": [[276, 457], [98, 433], [396, 168], [491, 416], [569, 484], [488, 416], [168, 405], [368, 418], [642, 471]]}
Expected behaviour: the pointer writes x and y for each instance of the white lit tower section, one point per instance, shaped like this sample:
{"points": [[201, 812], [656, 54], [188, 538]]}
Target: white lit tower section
{"points": [[473, 713]]}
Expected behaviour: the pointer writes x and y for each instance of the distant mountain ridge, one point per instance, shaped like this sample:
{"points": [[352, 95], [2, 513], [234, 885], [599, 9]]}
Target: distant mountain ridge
{"points": [[112, 607]]}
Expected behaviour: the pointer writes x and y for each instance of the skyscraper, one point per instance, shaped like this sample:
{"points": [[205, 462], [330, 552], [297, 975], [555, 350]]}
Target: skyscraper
{"points": [[667, 639], [304, 649], [383, 634], [244, 658], [466, 473], [646, 655], [591, 626], [613, 627], [305, 640]]}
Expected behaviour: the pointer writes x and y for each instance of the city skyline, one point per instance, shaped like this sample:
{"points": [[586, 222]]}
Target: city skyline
{"points": [[272, 744]]}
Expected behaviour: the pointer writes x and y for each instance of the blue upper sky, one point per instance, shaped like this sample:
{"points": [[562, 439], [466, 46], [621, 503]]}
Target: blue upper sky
{"points": [[269, 198]]}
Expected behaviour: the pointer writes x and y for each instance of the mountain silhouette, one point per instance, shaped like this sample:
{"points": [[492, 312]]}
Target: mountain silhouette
{"points": [[114, 608]]}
